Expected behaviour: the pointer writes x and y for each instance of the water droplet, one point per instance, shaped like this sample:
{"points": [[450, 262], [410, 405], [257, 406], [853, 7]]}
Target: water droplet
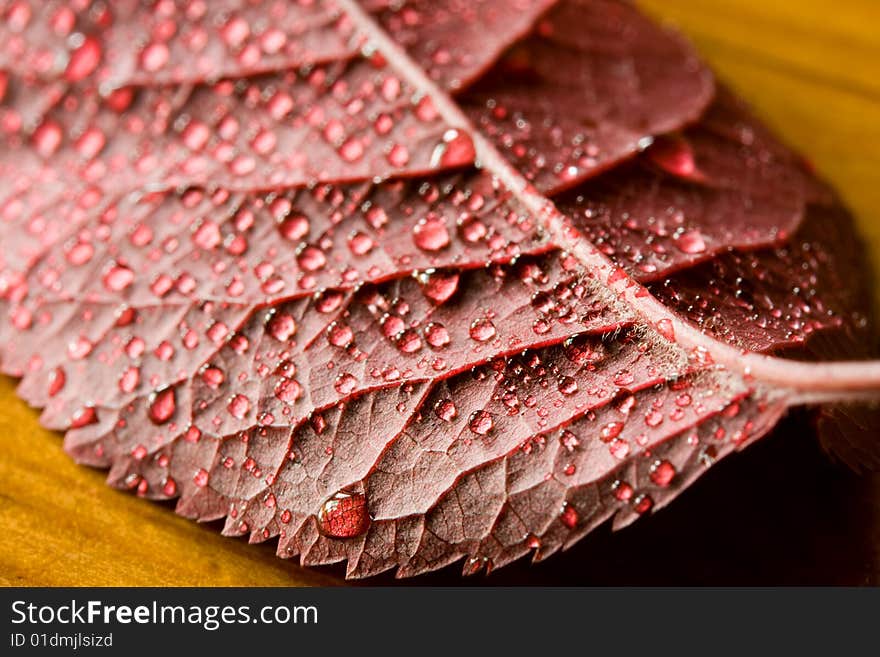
{"points": [[288, 390], [162, 406], [345, 384], [456, 149], [439, 286], [623, 492], [84, 60], [642, 504], [311, 258], [213, 377], [398, 156], [294, 227], [567, 385], [610, 431], [662, 473], [619, 448], [569, 516], [436, 335], [80, 253], [344, 515], [56, 381], [481, 422], [281, 326], [195, 135], [445, 410], [117, 278], [239, 406], [691, 242], [154, 57], [360, 243], [674, 155], [653, 418], [409, 341], [339, 334], [623, 378], [47, 138], [200, 478], [351, 150], [665, 328], [482, 330], [130, 379], [235, 31], [84, 417], [207, 236], [431, 234], [169, 487]]}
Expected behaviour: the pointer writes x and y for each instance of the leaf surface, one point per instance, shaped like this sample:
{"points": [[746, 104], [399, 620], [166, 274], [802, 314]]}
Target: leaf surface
{"points": [[368, 278]]}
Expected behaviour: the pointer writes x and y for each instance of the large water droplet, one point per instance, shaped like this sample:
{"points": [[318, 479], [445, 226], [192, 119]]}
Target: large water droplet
{"points": [[344, 515]]}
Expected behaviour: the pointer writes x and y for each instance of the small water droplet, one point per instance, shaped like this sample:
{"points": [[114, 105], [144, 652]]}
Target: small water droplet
{"points": [[239, 406], [481, 422], [691, 242], [445, 410], [117, 278], [439, 286], [482, 330], [662, 472], [569, 516], [200, 478], [162, 406], [642, 504], [431, 233], [436, 335], [345, 383], [84, 60], [281, 326], [568, 386]]}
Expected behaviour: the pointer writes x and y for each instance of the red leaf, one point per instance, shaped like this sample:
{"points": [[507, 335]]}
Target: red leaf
{"points": [[367, 279]]}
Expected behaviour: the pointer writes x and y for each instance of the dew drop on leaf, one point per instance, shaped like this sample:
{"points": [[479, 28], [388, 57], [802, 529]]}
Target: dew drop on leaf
{"points": [[481, 422], [239, 406], [569, 516], [445, 410], [431, 234], [482, 330], [439, 286], [436, 335], [662, 473], [163, 404], [344, 515]]}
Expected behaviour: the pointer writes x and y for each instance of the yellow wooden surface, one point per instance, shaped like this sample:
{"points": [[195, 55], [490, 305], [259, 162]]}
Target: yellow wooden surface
{"points": [[810, 68]]}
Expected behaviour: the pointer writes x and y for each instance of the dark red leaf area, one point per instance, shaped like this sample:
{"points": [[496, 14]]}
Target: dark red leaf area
{"points": [[724, 183], [777, 298], [590, 88], [455, 41], [256, 260]]}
